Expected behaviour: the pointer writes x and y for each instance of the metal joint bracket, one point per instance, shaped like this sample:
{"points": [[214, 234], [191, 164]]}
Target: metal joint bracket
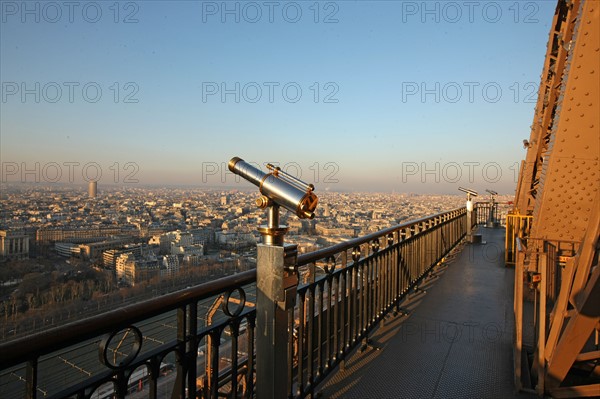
{"points": [[290, 277]]}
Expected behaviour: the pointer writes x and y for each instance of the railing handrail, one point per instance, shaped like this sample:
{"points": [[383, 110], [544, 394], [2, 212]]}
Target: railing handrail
{"points": [[350, 244], [33, 346]]}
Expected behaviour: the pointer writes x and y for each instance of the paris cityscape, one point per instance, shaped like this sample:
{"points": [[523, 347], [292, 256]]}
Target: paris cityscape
{"points": [[72, 251]]}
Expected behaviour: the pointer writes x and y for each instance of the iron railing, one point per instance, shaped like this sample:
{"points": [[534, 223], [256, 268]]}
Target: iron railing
{"points": [[362, 281], [483, 212], [498, 212], [177, 346]]}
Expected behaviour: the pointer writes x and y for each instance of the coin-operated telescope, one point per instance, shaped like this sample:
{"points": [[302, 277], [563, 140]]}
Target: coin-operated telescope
{"points": [[470, 236], [276, 271], [469, 192], [278, 189], [493, 209]]}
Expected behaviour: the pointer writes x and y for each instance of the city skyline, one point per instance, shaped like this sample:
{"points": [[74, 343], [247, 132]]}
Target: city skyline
{"points": [[82, 188], [351, 96]]}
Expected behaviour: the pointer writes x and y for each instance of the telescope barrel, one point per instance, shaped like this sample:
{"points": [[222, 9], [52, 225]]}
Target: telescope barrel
{"points": [[468, 191], [247, 171], [283, 190]]}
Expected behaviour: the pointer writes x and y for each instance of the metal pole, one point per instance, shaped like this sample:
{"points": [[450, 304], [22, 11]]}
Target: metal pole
{"points": [[469, 218], [276, 293]]}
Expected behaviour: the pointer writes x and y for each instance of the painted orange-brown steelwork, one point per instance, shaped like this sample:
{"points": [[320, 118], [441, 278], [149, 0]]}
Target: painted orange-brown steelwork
{"points": [[559, 188]]}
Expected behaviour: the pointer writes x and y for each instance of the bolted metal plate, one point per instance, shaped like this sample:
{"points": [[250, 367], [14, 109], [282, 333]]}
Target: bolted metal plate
{"points": [[571, 169]]}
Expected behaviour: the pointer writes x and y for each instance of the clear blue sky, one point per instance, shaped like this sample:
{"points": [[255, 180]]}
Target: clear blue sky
{"points": [[365, 126]]}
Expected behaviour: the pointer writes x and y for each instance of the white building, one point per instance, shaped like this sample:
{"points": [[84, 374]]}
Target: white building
{"points": [[178, 238], [170, 265], [67, 249], [197, 249], [133, 270], [13, 245]]}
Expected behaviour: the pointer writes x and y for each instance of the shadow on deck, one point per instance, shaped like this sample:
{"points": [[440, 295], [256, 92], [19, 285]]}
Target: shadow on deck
{"points": [[456, 341]]}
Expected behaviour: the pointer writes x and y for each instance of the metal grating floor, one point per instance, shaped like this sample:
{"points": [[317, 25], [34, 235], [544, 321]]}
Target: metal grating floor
{"points": [[456, 342]]}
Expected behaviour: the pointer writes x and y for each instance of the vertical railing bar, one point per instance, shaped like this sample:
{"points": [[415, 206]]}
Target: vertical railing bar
{"points": [[301, 333], [235, 333], [154, 371], [250, 373], [380, 275], [378, 287], [409, 259], [192, 346], [310, 334], [290, 348], [419, 257], [395, 270], [388, 278], [402, 264], [336, 316], [215, 343], [368, 288], [354, 317], [321, 287], [396, 267], [31, 377], [365, 291], [413, 254], [384, 283], [401, 273], [329, 309], [344, 301], [422, 260], [375, 290], [179, 387], [363, 294], [360, 299]]}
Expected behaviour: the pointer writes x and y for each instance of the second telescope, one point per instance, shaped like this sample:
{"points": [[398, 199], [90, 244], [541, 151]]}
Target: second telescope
{"points": [[279, 187]]}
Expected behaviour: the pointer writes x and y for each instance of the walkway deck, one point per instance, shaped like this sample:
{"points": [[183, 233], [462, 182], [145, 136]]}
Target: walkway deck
{"points": [[456, 342]]}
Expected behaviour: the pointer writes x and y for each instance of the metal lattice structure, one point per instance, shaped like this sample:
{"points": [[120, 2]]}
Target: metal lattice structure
{"points": [[559, 189]]}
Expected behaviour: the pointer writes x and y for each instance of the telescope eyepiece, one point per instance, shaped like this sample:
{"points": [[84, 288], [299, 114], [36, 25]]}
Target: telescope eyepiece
{"points": [[233, 162]]}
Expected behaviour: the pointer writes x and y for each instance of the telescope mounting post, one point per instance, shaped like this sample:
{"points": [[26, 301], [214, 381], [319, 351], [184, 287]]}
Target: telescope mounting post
{"points": [[276, 272], [277, 284], [272, 233], [471, 238]]}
